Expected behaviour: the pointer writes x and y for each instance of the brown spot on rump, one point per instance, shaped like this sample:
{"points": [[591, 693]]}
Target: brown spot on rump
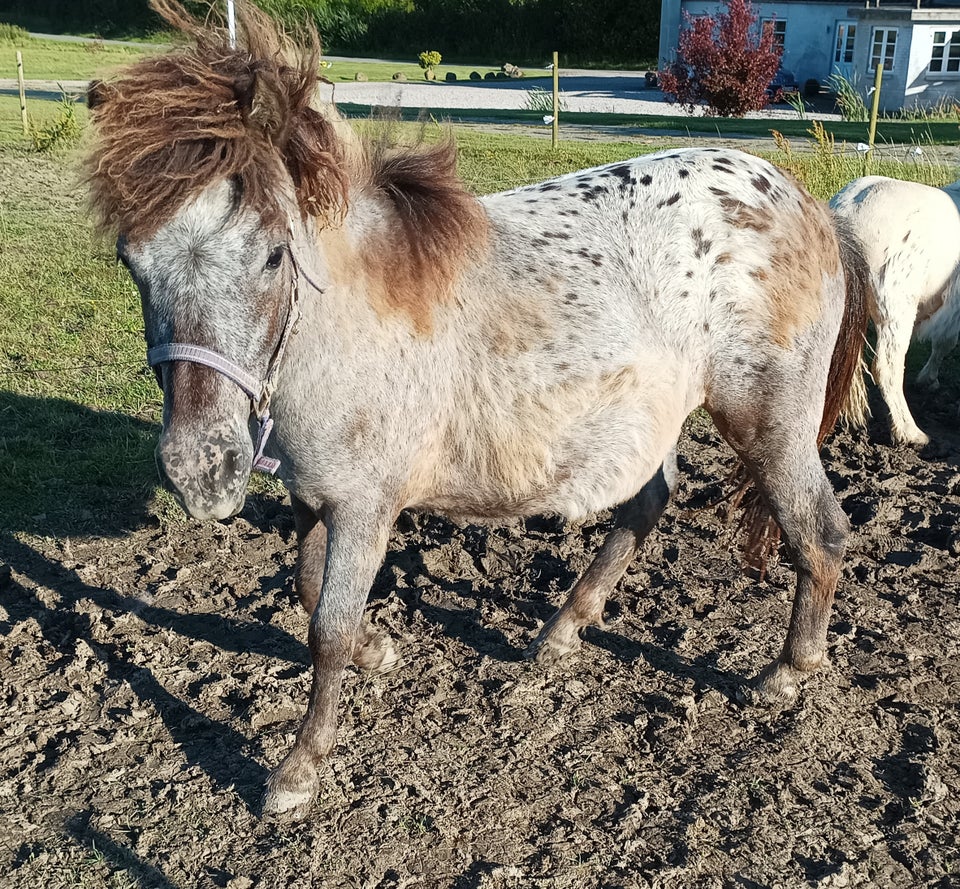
{"points": [[741, 215], [760, 183], [670, 201], [173, 124], [794, 282], [906, 237]]}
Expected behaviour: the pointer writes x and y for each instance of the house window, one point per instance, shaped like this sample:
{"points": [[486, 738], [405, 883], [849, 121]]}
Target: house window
{"points": [[846, 34], [946, 51], [884, 46], [779, 28]]}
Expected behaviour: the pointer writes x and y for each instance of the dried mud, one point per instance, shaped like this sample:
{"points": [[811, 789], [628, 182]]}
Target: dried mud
{"points": [[152, 678]]}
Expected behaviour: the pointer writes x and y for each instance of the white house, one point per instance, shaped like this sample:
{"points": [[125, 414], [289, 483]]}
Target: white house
{"points": [[918, 43]]}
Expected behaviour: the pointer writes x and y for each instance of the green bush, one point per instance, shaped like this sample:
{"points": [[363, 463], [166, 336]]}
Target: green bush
{"points": [[429, 59], [63, 132]]}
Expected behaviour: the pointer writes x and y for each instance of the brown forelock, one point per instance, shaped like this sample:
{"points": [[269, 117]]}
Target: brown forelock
{"points": [[439, 224], [173, 124]]}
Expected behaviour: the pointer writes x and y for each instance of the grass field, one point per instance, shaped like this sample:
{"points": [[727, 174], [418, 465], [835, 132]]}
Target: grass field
{"points": [[56, 60], [61, 60], [79, 409]]}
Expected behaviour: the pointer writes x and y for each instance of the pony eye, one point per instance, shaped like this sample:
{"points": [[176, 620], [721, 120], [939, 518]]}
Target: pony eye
{"points": [[275, 258]]}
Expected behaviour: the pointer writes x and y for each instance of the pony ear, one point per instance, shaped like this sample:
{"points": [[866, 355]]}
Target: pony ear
{"points": [[96, 94], [259, 103], [244, 85]]}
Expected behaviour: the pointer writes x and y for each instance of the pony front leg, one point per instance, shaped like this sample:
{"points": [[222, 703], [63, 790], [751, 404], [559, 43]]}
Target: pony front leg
{"points": [[371, 651], [357, 542]]}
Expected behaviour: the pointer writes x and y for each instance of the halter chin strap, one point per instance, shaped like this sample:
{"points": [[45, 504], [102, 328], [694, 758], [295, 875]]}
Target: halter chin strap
{"points": [[258, 391]]}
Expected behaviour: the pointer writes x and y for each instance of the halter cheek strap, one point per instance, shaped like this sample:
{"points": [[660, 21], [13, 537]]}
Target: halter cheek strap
{"points": [[258, 391]]}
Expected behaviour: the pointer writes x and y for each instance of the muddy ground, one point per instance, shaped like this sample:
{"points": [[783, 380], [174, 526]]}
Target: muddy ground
{"points": [[154, 674]]}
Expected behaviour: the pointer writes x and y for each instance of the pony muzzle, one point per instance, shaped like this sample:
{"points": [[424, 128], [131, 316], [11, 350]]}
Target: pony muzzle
{"points": [[207, 474]]}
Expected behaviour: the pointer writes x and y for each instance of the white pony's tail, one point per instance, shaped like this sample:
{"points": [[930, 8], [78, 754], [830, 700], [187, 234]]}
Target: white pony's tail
{"points": [[854, 408]]}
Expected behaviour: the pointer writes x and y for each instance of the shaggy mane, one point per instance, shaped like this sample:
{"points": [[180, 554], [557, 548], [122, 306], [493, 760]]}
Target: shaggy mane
{"points": [[173, 124]]}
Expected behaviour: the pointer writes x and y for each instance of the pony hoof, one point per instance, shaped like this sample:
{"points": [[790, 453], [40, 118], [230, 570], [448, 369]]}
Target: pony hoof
{"points": [[289, 797], [915, 438], [376, 655], [555, 642], [776, 686]]}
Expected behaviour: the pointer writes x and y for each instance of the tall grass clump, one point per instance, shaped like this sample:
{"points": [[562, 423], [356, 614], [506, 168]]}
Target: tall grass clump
{"points": [[62, 132], [849, 97], [944, 109], [539, 99], [13, 34], [826, 168]]}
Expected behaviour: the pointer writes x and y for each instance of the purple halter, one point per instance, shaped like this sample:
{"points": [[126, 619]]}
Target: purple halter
{"points": [[258, 391]]}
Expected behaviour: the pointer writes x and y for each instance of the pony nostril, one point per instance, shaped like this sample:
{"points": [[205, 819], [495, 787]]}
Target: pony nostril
{"points": [[231, 462]]}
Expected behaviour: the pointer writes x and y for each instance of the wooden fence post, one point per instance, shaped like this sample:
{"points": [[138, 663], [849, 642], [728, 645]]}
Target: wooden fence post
{"points": [[23, 94], [875, 106], [556, 100]]}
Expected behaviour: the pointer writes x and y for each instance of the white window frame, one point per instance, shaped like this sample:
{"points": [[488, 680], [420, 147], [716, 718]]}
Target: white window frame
{"points": [[948, 61], [846, 34], [888, 48], [779, 30]]}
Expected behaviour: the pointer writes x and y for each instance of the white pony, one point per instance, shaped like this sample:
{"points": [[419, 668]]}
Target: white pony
{"points": [[911, 238]]}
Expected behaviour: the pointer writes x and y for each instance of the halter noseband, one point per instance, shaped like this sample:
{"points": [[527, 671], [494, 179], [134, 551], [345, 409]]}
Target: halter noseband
{"points": [[259, 391]]}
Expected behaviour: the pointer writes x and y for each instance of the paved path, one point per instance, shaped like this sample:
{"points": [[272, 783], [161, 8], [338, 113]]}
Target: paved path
{"points": [[621, 92]]}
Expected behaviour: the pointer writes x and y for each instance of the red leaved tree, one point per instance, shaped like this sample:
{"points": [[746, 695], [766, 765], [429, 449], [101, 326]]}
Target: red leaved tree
{"points": [[726, 62]]}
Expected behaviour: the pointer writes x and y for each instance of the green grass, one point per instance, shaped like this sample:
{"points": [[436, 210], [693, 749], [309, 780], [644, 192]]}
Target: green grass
{"points": [[79, 411], [888, 132], [57, 60], [60, 60], [343, 71]]}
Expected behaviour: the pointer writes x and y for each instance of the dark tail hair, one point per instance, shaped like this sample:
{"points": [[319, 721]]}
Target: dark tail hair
{"points": [[845, 394]]}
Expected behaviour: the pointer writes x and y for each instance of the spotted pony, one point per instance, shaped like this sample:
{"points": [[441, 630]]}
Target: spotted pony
{"points": [[406, 345]]}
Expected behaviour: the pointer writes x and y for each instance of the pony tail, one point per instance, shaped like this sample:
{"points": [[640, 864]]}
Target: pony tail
{"points": [[846, 386]]}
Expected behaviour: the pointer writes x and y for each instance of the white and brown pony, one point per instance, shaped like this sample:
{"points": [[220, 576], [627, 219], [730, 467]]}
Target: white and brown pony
{"points": [[910, 235], [414, 347]]}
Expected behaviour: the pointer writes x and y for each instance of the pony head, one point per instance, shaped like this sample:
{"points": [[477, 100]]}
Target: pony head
{"points": [[209, 163]]}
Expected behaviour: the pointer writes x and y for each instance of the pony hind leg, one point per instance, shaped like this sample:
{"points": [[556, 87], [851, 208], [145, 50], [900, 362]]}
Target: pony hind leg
{"points": [[792, 481], [584, 606], [893, 340], [929, 375], [372, 650]]}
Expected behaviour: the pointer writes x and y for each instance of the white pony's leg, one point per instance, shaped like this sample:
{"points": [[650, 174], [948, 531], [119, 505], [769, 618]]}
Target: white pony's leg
{"points": [[929, 376], [893, 340], [584, 606]]}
